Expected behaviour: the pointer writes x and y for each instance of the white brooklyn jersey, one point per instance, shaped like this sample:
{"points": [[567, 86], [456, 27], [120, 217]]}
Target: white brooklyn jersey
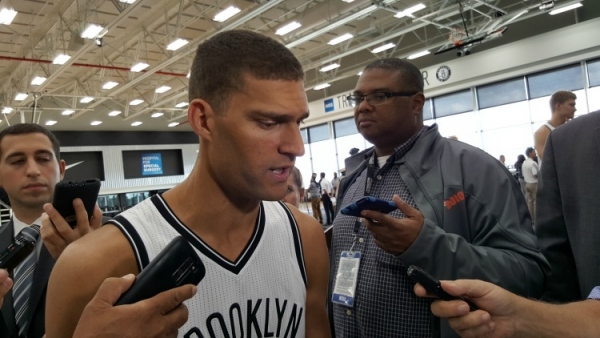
{"points": [[262, 294]]}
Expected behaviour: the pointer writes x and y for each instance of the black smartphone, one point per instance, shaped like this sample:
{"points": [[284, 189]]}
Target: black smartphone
{"points": [[66, 191], [368, 203], [432, 285], [176, 265]]}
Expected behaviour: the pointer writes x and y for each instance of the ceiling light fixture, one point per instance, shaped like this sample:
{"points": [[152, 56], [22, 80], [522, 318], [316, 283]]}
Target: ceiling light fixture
{"points": [[110, 85], [157, 114], [322, 86], [95, 123], [340, 38], [138, 67], [67, 112], [175, 45], [330, 67], [418, 55], [38, 80], [61, 59], [20, 96], [162, 89], [92, 31], [7, 15], [114, 113], [136, 123], [182, 104], [50, 122], [7, 110], [136, 102], [359, 73], [382, 48], [409, 11], [226, 13], [348, 1], [86, 99], [173, 124], [565, 8], [288, 28], [188, 75], [127, 1]]}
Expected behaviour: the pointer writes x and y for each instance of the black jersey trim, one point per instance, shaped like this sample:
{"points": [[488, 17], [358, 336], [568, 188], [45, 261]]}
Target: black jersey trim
{"points": [[234, 267], [139, 249], [297, 242]]}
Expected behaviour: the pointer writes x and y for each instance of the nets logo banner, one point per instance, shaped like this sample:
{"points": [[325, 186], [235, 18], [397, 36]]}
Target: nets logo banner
{"points": [[329, 107], [152, 164]]}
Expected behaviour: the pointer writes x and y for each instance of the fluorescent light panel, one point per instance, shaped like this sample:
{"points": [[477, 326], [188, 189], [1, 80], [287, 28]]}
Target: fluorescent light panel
{"points": [[182, 104], [95, 123], [50, 122], [226, 13], [173, 124], [135, 102], [110, 85], [175, 45], [359, 73], [409, 11], [330, 67], [288, 28], [38, 80], [348, 1], [127, 1], [138, 67], [163, 89], [418, 55], [382, 48], [92, 31], [86, 99], [7, 15], [61, 59], [322, 86], [565, 8], [21, 96], [136, 123], [67, 112], [7, 110], [340, 38], [157, 114], [114, 113]]}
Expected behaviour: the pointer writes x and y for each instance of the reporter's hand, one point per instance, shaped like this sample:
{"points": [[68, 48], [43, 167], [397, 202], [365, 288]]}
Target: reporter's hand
{"points": [[160, 316], [56, 232], [495, 318], [394, 235], [5, 284]]}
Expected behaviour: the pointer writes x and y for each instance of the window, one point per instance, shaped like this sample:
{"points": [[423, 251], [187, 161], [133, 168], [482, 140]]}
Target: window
{"points": [[303, 164], [451, 104], [500, 93], [304, 133], [345, 127], [427, 113], [344, 144], [323, 157], [463, 126], [593, 68], [506, 115], [318, 133], [549, 82]]}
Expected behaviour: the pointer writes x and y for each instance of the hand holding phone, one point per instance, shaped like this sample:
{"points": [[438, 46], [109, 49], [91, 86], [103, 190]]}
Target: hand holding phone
{"points": [[66, 191], [433, 286], [176, 265], [368, 203]]}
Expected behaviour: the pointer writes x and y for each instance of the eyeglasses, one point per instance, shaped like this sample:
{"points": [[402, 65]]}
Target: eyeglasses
{"points": [[375, 98]]}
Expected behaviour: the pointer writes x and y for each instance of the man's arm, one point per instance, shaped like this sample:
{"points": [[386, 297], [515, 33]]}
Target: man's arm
{"points": [[562, 284], [539, 138], [317, 269], [78, 273], [504, 314]]}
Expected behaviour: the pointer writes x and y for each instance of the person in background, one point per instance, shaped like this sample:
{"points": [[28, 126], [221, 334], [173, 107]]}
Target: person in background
{"points": [[295, 188], [335, 182], [562, 105], [519, 173], [314, 192], [502, 160], [530, 171], [326, 191]]}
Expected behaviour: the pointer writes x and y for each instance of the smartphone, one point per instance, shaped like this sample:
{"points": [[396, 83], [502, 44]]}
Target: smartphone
{"points": [[433, 286], [176, 265], [66, 191], [368, 203]]}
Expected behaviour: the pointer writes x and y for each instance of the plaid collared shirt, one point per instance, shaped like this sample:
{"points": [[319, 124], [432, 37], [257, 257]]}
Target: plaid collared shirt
{"points": [[385, 304]]}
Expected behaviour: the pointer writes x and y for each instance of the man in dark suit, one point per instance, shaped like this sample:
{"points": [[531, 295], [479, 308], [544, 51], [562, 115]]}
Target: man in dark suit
{"points": [[568, 209]]}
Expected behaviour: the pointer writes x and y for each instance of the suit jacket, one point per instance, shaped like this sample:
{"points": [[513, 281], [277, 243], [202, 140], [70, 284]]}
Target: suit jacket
{"points": [[37, 299], [568, 208]]}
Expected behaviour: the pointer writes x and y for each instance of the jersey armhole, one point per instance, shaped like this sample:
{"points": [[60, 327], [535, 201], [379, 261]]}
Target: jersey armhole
{"points": [[139, 249], [297, 242]]}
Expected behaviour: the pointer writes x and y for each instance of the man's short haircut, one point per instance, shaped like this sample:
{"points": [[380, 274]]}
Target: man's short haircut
{"points": [[297, 177], [222, 62], [410, 77], [561, 97], [30, 128], [529, 151]]}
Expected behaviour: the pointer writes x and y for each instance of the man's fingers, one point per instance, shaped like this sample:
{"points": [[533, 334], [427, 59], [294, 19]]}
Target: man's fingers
{"points": [[5, 284], [83, 226], [170, 299], [57, 220], [474, 324], [112, 288], [176, 318], [96, 221], [467, 287], [406, 209]]}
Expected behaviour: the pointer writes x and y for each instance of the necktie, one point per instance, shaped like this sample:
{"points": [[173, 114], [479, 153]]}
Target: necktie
{"points": [[23, 279]]}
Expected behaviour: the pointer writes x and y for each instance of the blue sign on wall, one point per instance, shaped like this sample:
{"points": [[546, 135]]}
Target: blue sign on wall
{"points": [[152, 164], [329, 105]]}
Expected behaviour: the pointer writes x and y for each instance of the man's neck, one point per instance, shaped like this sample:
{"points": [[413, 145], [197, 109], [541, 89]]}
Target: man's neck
{"points": [[27, 215], [557, 120]]}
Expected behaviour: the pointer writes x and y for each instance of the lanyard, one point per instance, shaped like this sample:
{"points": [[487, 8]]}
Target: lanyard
{"points": [[368, 185]]}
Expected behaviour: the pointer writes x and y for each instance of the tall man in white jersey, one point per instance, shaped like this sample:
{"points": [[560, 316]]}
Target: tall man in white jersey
{"points": [[562, 104], [266, 261]]}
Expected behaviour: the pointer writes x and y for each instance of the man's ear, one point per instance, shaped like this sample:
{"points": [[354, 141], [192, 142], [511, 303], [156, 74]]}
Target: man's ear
{"points": [[62, 167], [200, 115], [418, 103]]}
